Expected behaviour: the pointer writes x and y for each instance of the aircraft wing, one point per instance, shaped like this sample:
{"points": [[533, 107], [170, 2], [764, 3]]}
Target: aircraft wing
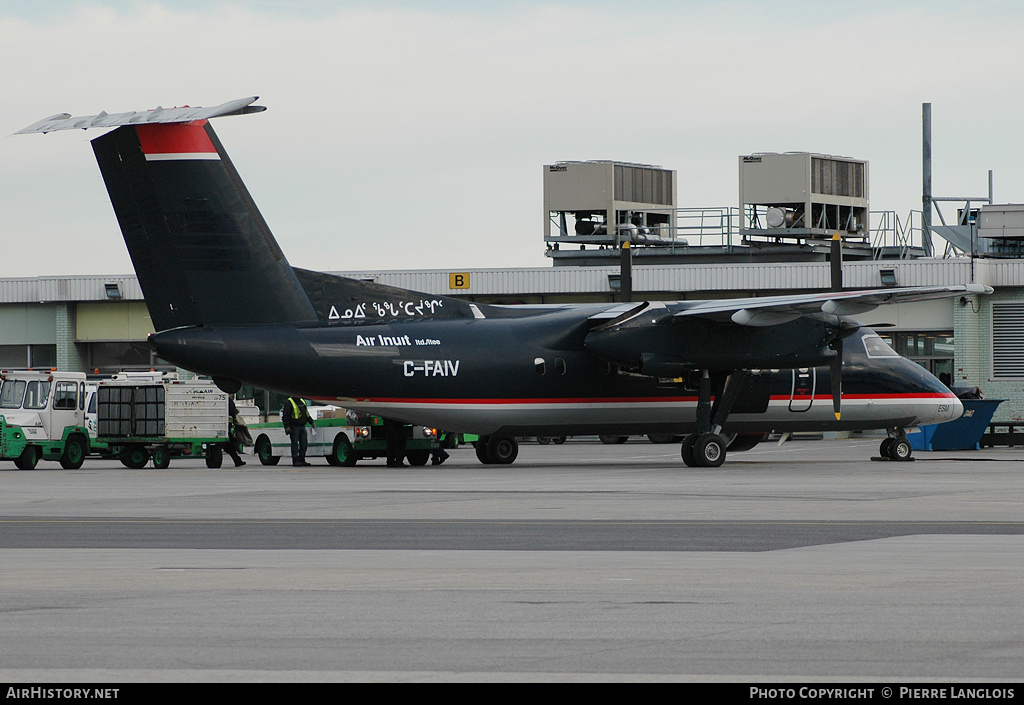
{"points": [[773, 310]]}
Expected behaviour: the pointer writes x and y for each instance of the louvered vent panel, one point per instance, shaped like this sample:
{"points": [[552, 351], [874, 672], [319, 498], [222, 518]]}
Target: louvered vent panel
{"points": [[1008, 340]]}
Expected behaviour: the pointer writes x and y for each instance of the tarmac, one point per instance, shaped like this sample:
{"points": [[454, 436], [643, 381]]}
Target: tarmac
{"points": [[582, 562]]}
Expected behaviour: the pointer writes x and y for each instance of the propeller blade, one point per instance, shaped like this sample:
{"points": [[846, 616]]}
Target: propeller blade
{"points": [[836, 260], [836, 375]]}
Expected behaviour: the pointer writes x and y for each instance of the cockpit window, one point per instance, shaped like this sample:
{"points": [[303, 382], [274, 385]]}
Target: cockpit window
{"points": [[876, 347]]}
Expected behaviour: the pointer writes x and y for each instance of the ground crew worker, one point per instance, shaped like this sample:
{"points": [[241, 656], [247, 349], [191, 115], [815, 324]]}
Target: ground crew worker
{"points": [[295, 416], [394, 434]]}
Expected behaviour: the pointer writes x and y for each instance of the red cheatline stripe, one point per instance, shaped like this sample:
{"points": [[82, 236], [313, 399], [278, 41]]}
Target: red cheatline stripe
{"points": [[176, 141], [625, 400]]}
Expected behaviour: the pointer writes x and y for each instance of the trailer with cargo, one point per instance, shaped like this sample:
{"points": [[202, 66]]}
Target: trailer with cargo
{"points": [[159, 417], [42, 417]]}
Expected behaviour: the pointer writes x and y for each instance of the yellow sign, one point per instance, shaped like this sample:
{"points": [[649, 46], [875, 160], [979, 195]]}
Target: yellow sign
{"points": [[458, 280]]}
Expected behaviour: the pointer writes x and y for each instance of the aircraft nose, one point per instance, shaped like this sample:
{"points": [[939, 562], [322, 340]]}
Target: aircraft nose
{"points": [[956, 410]]}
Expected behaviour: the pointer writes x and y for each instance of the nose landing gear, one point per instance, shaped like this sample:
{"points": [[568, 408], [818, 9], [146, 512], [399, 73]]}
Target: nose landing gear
{"points": [[703, 450], [896, 446]]}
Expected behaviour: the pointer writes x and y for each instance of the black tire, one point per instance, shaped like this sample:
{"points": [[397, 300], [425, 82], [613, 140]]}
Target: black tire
{"points": [[451, 441], [502, 450], [661, 438], [481, 450], [885, 447], [611, 440], [265, 452], [558, 440], [342, 454], [686, 451], [74, 453], [543, 440], [214, 456], [134, 457], [709, 450], [28, 458], [418, 457], [161, 457], [900, 449]]}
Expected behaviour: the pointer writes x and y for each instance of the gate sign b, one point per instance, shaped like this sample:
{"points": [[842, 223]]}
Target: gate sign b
{"points": [[458, 280]]}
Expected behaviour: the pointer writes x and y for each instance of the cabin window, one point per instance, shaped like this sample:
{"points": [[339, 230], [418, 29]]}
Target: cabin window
{"points": [[538, 364], [559, 365], [36, 395], [65, 398], [11, 394]]}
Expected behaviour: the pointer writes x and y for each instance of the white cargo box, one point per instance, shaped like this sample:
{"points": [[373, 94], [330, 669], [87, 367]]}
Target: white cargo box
{"points": [[168, 409], [196, 410]]}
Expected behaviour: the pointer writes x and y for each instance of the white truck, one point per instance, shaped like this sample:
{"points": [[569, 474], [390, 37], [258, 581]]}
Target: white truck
{"points": [[151, 415], [42, 416], [342, 438]]}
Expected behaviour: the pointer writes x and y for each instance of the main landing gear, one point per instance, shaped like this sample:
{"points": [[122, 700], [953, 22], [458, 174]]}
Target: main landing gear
{"points": [[703, 450], [706, 447], [497, 450], [896, 446]]}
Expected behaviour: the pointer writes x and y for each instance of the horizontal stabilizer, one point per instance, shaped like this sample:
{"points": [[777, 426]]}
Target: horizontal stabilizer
{"points": [[64, 121]]}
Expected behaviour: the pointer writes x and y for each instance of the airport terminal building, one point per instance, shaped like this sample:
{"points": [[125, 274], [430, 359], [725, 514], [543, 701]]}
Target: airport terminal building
{"points": [[613, 231], [99, 324]]}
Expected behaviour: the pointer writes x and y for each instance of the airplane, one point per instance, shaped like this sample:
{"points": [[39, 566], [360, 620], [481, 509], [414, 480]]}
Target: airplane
{"points": [[226, 303]]}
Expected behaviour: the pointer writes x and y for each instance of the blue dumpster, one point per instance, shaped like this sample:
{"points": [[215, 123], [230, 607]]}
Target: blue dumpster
{"points": [[962, 434]]}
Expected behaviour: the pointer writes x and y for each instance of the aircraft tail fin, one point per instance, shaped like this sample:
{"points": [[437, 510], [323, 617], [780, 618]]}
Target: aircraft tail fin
{"points": [[200, 247]]}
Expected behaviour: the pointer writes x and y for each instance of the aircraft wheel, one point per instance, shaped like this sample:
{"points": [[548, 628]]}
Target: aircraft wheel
{"points": [[900, 449], [481, 450], [28, 458], [74, 453], [886, 447], [543, 440], [161, 457], [558, 440], [342, 454], [661, 438], [686, 450], [613, 440], [134, 457], [265, 452], [709, 450], [417, 457], [502, 450], [214, 456]]}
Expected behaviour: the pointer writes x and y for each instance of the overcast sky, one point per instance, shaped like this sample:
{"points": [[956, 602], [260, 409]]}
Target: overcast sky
{"points": [[408, 134]]}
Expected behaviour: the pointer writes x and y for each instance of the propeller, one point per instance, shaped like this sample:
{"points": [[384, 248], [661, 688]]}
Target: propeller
{"points": [[836, 365], [836, 260], [835, 368]]}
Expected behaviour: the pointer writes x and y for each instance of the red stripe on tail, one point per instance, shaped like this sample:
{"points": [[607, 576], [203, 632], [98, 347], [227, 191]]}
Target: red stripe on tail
{"points": [[175, 138]]}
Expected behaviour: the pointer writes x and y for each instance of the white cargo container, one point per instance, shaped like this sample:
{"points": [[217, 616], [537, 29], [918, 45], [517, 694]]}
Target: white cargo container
{"points": [[152, 415]]}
